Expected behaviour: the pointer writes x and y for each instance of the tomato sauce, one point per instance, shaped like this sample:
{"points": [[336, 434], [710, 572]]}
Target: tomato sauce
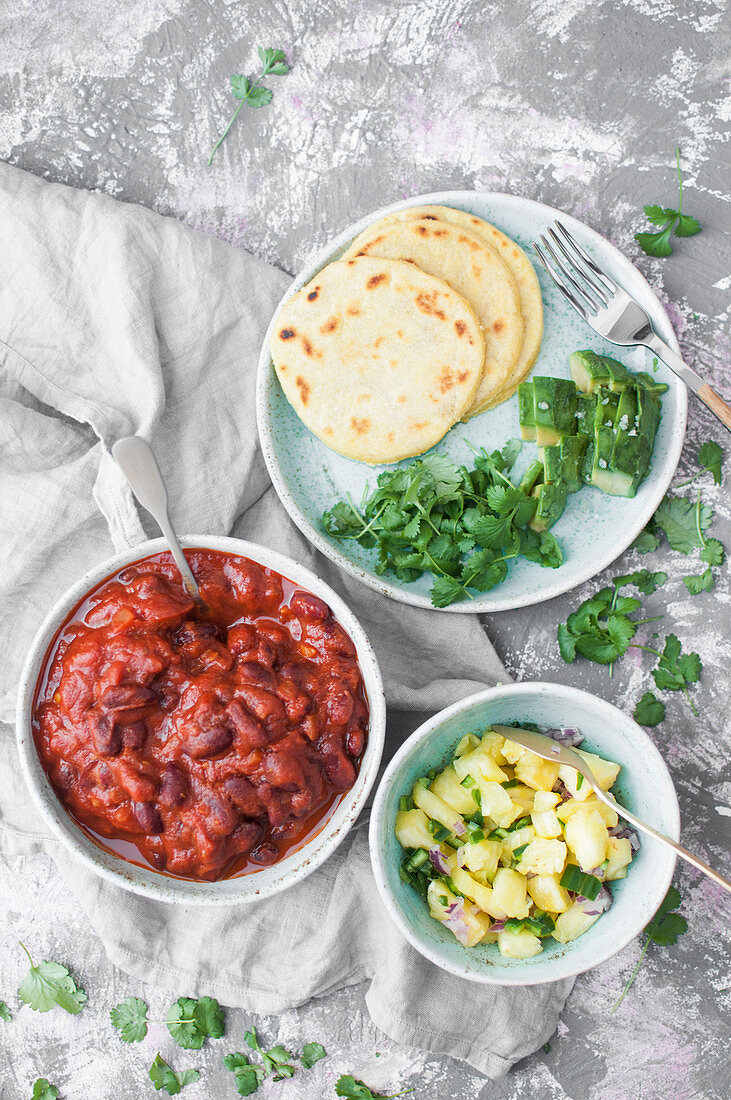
{"points": [[201, 743]]}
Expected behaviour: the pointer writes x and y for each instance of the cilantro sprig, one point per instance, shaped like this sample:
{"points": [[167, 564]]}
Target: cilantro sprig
{"points": [[165, 1077], [649, 710], [349, 1086], [461, 525], [252, 92], [44, 1090], [50, 984], [663, 930], [669, 221], [247, 1075], [275, 1060], [601, 629], [189, 1021]]}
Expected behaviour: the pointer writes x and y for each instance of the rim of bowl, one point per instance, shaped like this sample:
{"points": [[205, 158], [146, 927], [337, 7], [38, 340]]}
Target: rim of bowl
{"points": [[317, 260], [561, 967], [145, 881]]}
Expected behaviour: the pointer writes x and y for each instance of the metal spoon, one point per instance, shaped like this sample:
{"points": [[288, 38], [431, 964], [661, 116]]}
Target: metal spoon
{"points": [[139, 465], [549, 749]]}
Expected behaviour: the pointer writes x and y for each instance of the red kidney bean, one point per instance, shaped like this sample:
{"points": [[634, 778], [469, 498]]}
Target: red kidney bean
{"points": [[241, 638], [147, 817], [105, 736], [133, 736], [267, 707], [264, 853], [339, 703], [243, 794], [193, 631], [127, 697], [173, 788], [208, 740], [309, 606], [355, 741], [251, 672]]}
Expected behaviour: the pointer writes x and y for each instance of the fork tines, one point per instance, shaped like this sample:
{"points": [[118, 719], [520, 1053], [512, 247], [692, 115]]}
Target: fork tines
{"points": [[577, 276]]}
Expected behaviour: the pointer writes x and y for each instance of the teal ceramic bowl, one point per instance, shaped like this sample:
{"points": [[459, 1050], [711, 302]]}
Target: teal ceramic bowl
{"points": [[644, 786]]}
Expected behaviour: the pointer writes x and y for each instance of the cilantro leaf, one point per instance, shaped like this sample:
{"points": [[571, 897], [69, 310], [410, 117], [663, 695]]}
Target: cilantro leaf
{"points": [[566, 643], [680, 519], [183, 1025], [646, 541], [702, 583], [713, 552], [50, 984], [247, 1075], [446, 590], [5, 1012], [209, 1017], [165, 1077], [649, 710], [44, 1090], [656, 244], [275, 1060], [710, 457], [311, 1053], [130, 1019], [675, 670], [252, 92], [444, 473], [349, 1086]]}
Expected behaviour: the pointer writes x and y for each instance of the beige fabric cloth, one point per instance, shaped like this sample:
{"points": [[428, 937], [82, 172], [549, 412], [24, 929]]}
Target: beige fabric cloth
{"points": [[114, 320]]}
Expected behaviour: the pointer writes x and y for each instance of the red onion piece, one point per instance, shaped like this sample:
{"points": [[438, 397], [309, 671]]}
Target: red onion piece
{"points": [[438, 861], [455, 915], [567, 735], [459, 828], [497, 926], [623, 832]]}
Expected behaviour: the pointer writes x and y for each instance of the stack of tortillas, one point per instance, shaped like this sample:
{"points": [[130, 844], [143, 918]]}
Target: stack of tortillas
{"points": [[431, 316]]}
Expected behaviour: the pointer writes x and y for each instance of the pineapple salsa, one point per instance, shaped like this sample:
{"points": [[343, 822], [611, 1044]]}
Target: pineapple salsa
{"points": [[509, 848]]}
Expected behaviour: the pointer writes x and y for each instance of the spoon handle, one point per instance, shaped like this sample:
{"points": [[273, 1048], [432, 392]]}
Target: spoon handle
{"points": [[139, 465], [678, 848]]}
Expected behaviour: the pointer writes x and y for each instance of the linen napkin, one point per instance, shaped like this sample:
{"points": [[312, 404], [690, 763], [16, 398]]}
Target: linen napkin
{"points": [[115, 320]]}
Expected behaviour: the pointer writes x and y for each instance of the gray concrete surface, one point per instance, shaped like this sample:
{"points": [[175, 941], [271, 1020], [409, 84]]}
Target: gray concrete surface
{"points": [[577, 103]]}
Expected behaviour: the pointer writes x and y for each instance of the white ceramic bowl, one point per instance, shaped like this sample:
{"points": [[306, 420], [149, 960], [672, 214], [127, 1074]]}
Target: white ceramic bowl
{"points": [[644, 786], [147, 882]]}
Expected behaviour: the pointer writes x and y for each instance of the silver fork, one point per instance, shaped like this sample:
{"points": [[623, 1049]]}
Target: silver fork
{"points": [[611, 311]]}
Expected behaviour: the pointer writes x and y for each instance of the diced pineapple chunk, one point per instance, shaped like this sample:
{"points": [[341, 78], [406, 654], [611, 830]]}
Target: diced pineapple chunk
{"points": [[473, 924], [517, 839], [608, 815], [574, 922], [548, 893], [605, 771], [619, 854], [412, 831], [546, 823], [518, 945], [471, 888], [435, 807], [497, 804], [480, 765], [508, 895], [536, 772], [493, 743], [513, 752], [469, 742], [482, 856], [545, 800], [522, 797], [448, 787], [543, 857], [575, 784], [587, 837]]}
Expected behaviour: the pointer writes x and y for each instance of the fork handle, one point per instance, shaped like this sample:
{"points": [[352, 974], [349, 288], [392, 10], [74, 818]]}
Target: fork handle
{"points": [[693, 381], [677, 848]]}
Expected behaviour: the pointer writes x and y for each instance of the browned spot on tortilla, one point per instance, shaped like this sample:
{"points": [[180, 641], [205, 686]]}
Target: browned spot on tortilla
{"points": [[282, 368], [364, 397], [353, 311], [446, 380], [400, 334], [330, 325], [440, 232], [476, 271], [431, 218], [402, 397], [379, 341], [304, 389], [422, 229], [375, 280], [391, 437], [427, 303], [313, 294], [361, 253], [287, 334], [461, 327], [327, 431], [308, 347], [498, 326], [417, 425], [463, 376], [360, 426]]}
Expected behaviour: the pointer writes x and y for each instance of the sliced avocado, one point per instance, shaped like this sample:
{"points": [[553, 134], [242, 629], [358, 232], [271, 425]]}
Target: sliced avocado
{"points": [[585, 410], [551, 503], [573, 449], [526, 415], [531, 477], [637, 421], [587, 463], [554, 409], [551, 458], [605, 413], [588, 370], [603, 447], [642, 378]]}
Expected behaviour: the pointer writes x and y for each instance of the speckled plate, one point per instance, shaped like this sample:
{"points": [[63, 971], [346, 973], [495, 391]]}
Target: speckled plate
{"points": [[594, 529]]}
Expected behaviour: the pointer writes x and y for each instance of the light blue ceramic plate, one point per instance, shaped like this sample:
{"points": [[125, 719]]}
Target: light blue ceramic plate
{"points": [[644, 786], [594, 529]]}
